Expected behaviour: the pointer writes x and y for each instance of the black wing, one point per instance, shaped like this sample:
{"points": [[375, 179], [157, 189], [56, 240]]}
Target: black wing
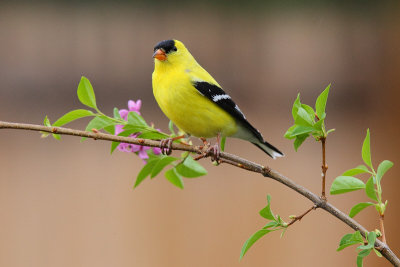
{"points": [[224, 101]]}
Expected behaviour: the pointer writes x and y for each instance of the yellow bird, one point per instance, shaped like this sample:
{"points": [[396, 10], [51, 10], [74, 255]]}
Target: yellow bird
{"points": [[195, 102]]}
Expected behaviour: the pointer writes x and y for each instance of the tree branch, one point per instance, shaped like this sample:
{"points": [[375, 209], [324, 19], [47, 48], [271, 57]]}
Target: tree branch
{"points": [[232, 159]]}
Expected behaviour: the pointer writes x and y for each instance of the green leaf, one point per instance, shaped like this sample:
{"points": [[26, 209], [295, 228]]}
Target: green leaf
{"points": [[190, 168], [267, 212], [350, 239], [161, 164], [46, 121], [318, 125], [173, 176], [377, 253], [300, 129], [127, 133], [114, 145], [296, 106], [249, 242], [310, 111], [364, 252], [279, 219], [73, 115], [110, 129], [152, 156], [381, 208], [86, 93], [171, 127], [299, 140], [136, 128], [371, 241], [359, 207], [366, 249], [154, 135], [271, 225], [303, 118], [99, 123], [136, 119], [329, 131], [320, 104], [145, 171], [346, 241], [283, 232], [289, 131], [344, 184], [116, 114], [384, 207], [361, 255], [370, 189], [57, 136], [357, 170], [366, 150], [383, 167], [223, 141]]}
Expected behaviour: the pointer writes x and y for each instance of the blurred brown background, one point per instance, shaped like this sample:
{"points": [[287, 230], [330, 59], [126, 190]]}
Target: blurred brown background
{"points": [[72, 204]]}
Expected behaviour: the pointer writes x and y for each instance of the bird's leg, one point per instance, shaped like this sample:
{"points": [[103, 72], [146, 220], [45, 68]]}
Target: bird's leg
{"points": [[166, 144], [215, 149], [208, 149], [205, 143], [204, 149]]}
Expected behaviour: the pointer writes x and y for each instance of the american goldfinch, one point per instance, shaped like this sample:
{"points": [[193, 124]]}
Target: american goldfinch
{"points": [[195, 102]]}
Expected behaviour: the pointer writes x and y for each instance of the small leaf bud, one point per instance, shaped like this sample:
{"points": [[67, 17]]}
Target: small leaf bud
{"points": [[378, 233]]}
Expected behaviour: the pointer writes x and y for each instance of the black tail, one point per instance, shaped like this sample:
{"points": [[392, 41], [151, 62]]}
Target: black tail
{"points": [[272, 151]]}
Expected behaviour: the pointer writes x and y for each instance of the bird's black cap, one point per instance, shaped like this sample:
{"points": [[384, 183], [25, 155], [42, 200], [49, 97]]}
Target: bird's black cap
{"points": [[166, 45]]}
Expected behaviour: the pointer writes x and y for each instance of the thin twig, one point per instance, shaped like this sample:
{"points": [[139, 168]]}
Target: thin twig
{"points": [[324, 168], [381, 217], [298, 218], [265, 171]]}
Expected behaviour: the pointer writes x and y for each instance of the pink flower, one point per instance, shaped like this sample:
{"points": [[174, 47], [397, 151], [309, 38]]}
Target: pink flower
{"points": [[156, 150], [118, 129], [140, 150], [132, 106], [125, 147], [124, 113]]}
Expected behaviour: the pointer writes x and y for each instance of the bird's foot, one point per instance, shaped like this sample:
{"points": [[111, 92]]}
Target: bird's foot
{"points": [[166, 144], [204, 141], [214, 151], [209, 150]]}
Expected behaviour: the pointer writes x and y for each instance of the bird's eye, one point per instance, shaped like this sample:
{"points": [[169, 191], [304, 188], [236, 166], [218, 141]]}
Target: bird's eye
{"points": [[175, 49]]}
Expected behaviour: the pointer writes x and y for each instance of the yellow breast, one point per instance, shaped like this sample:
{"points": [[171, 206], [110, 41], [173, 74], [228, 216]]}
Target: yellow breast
{"points": [[187, 108]]}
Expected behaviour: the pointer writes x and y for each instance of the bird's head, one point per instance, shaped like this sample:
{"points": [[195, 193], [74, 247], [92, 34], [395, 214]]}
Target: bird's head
{"points": [[171, 51]]}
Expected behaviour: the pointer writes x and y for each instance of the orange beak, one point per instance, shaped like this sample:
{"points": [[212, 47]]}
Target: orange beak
{"points": [[160, 55]]}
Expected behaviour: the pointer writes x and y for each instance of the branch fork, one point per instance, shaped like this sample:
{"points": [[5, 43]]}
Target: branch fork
{"points": [[298, 218]]}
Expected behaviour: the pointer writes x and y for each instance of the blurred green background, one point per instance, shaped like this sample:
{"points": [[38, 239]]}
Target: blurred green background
{"points": [[72, 204]]}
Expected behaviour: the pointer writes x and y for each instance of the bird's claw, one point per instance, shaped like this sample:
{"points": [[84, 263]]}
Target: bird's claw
{"points": [[209, 150], [166, 146], [214, 151]]}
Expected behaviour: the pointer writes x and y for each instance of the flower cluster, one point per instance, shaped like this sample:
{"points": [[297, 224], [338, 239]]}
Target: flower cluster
{"points": [[141, 151]]}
